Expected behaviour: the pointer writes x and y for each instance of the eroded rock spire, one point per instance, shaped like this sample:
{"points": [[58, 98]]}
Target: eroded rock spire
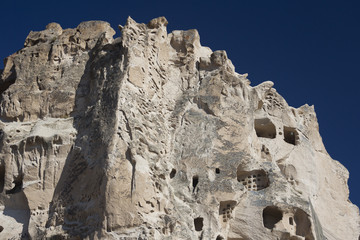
{"points": [[153, 136]]}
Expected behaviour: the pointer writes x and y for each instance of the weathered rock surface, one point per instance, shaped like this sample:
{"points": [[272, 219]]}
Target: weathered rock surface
{"points": [[153, 136]]}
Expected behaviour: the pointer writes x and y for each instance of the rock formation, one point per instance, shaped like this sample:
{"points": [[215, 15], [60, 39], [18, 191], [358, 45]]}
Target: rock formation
{"points": [[153, 136]]}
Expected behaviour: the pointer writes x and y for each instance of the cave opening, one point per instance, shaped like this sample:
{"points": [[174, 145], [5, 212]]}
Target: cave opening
{"points": [[291, 221], [173, 173], [291, 136], [199, 224], [265, 128], [271, 216]]}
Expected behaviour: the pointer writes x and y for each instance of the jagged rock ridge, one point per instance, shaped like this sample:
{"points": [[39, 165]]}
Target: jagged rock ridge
{"points": [[153, 136]]}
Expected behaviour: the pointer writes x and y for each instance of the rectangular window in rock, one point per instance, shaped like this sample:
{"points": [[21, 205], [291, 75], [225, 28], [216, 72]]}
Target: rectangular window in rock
{"points": [[265, 128], [199, 223], [291, 135]]}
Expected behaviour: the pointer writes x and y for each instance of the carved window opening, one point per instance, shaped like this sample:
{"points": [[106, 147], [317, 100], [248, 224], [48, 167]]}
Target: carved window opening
{"points": [[265, 128], [199, 224], [195, 182], [2, 178], [219, 237], [271, 216], [217, 170], [253, 180], [291, 135], [225, 210], [291, 221], [303, 224], [1, 228], [173, 173]]}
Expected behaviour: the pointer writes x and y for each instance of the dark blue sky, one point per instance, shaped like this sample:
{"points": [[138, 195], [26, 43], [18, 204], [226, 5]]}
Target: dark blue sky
{"points": [[309, 49]]}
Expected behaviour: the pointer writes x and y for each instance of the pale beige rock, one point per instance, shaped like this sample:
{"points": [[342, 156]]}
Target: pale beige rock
{"points": [[153, 136]]}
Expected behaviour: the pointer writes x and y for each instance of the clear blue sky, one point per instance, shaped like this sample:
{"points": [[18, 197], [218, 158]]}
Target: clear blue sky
{"points": [[310, 49]]}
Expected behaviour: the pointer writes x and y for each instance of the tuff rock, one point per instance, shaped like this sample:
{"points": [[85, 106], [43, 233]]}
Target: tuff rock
{"points": [[153, 136]]}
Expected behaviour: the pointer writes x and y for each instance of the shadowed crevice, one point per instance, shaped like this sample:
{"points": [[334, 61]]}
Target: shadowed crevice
{"points": [[6, 82], [133, 164]]}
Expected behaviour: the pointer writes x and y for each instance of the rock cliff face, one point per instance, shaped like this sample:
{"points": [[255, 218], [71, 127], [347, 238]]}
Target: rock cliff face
{"points": [[153, 136]]}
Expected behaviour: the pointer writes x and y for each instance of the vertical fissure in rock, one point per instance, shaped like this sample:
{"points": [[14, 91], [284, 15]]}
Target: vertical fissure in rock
{"points": [[195, 182], [127, 124], [133, 164]]}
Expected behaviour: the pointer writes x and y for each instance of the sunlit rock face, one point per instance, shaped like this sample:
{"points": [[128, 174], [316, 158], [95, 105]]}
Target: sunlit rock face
{"points": [[153, 136]]}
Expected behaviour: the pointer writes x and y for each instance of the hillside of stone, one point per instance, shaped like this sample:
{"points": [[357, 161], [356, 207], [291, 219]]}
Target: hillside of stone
{"points": [[153, 136]]}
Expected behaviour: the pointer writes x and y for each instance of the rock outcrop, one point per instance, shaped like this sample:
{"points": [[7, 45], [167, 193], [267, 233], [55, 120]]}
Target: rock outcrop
{"points": [[153, 136]]}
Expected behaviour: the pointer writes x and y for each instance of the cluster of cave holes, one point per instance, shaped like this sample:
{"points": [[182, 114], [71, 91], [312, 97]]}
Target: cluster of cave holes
{"points": [[265, 153], [36, 213], [272, 101], [265, 150], [225, 210], [296, 219], [253, 180], [265, 128]]}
